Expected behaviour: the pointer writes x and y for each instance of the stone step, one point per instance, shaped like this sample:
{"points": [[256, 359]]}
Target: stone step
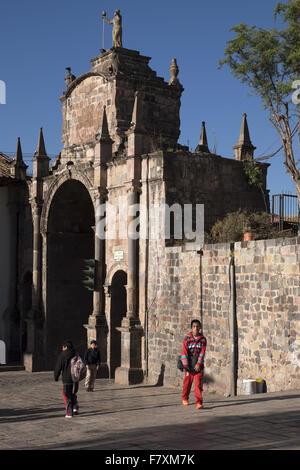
{"points": [[7, 367]]}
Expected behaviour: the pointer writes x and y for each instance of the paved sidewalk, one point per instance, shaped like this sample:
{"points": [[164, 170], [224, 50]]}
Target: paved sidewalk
{"points": [[141, 417]]}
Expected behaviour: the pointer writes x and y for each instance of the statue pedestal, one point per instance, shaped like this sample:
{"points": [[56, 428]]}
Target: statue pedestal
{"points": [[97, 331], [33, 363], [34, 358], [131, 371]]}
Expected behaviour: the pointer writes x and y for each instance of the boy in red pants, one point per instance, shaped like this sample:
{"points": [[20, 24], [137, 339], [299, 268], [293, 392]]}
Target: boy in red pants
{"points": [[192, 358]]}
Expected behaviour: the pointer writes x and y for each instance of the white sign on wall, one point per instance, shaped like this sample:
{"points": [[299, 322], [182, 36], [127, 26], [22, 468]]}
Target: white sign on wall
{"points": [[118, 255]]}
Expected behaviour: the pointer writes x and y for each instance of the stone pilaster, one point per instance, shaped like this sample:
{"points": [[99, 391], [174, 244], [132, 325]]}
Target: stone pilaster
{"points": [[33, 357], [97, 325], [97, 328], [131, 371], [12, 314]]}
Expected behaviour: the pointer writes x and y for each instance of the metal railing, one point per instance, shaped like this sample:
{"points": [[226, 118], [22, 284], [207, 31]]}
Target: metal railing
{"points": [[285, 212]]}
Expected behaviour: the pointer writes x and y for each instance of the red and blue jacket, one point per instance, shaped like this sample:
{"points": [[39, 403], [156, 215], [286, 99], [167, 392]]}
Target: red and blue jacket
{"points": [[193, 347]]}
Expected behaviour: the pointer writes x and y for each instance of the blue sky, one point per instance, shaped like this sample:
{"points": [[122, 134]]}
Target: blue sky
{"points": [[40, 39]]}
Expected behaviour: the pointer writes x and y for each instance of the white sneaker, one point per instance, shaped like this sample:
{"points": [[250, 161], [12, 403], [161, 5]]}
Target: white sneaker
{"points": [[75, 411], [68, 416]]}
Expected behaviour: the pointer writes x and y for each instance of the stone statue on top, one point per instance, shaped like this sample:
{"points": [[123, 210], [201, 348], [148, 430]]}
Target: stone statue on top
{"points": [[117, 28]]}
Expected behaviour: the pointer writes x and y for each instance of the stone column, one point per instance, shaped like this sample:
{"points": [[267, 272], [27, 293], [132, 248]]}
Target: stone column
{"points": [[33, 356], [36, 271], [131, 269], [131, 371], [97, 325]]}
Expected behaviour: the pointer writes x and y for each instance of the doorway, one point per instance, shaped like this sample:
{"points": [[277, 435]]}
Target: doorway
{"points": [[118, 311]]}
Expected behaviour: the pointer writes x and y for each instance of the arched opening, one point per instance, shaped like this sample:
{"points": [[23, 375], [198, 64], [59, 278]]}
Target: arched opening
{"points": [[70, 240], [118, 310]]}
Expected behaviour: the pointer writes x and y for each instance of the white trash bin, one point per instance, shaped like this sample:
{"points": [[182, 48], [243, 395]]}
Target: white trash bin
{"points": [[2, 352], [249, 386]]}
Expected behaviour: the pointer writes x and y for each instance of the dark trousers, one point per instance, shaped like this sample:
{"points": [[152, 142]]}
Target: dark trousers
{"points": [[70, 397]]}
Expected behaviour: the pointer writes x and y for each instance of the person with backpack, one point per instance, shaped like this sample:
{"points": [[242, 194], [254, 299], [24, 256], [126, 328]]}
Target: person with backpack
{"points": [[92, 362], [70, 388], [192, 358]]}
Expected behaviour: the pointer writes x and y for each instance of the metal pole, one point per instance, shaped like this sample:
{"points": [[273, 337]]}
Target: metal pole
{"points": [[147, 275], [103, 16], [232, 327], [103, 33], [280, 211]]}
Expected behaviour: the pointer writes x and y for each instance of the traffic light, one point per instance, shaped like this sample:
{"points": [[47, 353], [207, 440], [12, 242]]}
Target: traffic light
{"points": [[89, 266]]}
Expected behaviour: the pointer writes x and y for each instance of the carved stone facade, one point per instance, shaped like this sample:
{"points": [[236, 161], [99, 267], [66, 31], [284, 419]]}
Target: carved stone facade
{"points": [[120, 142], [15, 255]]}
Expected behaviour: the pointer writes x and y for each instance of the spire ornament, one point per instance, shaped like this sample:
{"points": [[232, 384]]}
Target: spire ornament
{"points": [[41, 149], [203, 145], [40, 159], [174, 70], [69, 77], [244, 150], [19, 168]]}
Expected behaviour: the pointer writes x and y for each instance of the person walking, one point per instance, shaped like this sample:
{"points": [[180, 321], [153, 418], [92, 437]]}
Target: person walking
{"points": [[192, 358], [70, 388], [92, 362]]}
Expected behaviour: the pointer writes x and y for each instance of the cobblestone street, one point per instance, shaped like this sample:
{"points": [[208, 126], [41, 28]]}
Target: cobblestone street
{"points": [[141, 417]]}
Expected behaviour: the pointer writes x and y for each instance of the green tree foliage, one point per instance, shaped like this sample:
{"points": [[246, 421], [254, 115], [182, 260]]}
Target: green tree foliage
{"points": [[253, 173], [268, 62], [254, 177]]}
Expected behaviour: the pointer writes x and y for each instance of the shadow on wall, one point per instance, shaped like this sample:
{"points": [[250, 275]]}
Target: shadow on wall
{"points": [[160, 380], [207, 379]]}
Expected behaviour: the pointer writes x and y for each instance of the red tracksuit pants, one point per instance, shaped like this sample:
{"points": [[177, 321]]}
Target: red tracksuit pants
{"points": [[189, 377], [70, 397]]}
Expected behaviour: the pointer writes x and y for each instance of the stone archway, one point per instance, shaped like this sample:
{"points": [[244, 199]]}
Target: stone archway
{"points": [[69, 240], [118, 308]]}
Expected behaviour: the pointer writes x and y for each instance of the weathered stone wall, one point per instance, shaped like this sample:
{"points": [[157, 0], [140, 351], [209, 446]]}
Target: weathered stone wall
{"points": [[187, 285], [112, 82], [219, 183], [83, 111], [5, 251], [15, 264], [268, 300]]}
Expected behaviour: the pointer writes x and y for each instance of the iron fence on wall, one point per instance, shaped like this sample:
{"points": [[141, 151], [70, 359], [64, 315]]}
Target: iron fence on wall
{"points": [[285, 212]]}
